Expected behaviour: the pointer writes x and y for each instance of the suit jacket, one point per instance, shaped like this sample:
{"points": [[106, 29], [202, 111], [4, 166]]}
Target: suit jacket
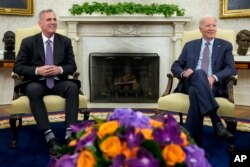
{"points": [[31, 55], [223, 65]]}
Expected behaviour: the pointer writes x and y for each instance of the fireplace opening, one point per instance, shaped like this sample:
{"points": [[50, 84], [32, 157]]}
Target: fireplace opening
{"points": [[124, 77]]}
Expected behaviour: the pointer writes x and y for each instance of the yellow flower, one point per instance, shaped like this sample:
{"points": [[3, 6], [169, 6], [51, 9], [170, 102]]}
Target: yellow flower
{"points": [[147, 133], [87, 132], [111, 146], [73, 143], [86, 159], [173, 154], [184, 138], [129, 153], [155, 124], [108, 128]]}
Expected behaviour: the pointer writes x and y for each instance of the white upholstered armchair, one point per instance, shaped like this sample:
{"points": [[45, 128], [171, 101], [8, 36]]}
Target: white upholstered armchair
{"points": [[20, 103], [179, 102]]}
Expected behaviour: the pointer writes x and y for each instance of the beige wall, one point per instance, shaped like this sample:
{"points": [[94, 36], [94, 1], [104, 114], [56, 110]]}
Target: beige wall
{"points": [[194, 8]]}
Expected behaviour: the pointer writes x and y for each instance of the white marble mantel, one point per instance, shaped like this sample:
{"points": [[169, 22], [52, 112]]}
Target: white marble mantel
{"points": [[178, 23], [125, 33], [124, 18]]}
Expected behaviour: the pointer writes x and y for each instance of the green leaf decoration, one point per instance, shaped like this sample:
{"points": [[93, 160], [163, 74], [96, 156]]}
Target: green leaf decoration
{"points": [[65, 149], [127, 8]]}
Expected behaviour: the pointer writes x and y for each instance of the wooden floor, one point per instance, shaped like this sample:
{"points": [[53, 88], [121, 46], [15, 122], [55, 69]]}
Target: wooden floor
{"points": [[241, 111]]}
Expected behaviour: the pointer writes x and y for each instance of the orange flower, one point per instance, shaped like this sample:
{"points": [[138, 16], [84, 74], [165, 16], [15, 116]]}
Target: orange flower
{"points": [[73, 143], [184, 138], [111, 146], [173, 154], [147, 133], [155, 124], [129, 153], [86, 159], [87, 132], [107, 128]]}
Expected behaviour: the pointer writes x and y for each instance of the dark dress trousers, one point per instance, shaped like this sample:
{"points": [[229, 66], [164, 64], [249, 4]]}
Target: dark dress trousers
{"points": [[201, 95], [31, 55]]}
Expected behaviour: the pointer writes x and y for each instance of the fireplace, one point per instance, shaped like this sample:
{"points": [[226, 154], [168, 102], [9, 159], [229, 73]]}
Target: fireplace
{"points": [[124, 77], [123, 34]]}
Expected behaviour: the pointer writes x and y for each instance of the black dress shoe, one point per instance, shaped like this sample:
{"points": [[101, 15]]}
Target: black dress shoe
{"points": [[53, 148], [221, 131]]}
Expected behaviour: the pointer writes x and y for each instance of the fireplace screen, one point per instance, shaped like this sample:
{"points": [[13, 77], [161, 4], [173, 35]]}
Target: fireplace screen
{"points": [[124, 77]]}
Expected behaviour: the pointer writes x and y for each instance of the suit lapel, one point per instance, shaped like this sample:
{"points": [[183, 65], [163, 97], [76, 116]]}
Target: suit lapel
{"points": [[40, 47], [56, 48], [197, 50], [216, 47]]}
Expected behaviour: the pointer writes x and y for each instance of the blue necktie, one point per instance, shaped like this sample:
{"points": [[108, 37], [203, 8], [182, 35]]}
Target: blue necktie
{"points": [[49, 61], [205, 58]]}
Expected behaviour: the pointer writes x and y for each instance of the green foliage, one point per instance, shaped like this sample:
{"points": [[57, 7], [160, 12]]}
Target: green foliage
{"points": [[126, 8]]}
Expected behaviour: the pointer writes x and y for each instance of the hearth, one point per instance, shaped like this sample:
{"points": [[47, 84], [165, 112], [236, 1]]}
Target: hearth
{"points": [[124, 77]]}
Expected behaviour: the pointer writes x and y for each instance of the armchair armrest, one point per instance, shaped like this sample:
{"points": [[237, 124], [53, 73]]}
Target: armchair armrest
{"points": [[169, 84], [19, 80], [75, 76], [230, 83]]}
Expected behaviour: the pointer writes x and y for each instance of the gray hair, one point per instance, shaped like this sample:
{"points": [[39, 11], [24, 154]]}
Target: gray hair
{"points": [[205, 17], [44, 11]]}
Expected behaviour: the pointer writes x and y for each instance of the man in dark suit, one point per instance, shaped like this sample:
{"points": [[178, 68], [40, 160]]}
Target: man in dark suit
{"points": [[43, 76], [204, 80]]}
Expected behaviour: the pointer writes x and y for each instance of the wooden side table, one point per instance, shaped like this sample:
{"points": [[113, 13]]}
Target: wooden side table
{"points": [[7, 63], [242, 62]]}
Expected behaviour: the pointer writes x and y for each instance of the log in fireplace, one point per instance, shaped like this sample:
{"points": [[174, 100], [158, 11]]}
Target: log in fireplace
{"points": [[124, 77]]}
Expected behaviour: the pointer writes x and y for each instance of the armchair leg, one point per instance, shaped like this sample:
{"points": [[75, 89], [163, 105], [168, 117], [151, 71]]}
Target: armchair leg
{"points": [[14, 128], [181, 118], [231, 124], [85, 113]]}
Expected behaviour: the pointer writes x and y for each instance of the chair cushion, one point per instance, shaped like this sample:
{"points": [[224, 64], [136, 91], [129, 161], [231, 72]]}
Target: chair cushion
{"points": [[53, 103], [179, 102]]}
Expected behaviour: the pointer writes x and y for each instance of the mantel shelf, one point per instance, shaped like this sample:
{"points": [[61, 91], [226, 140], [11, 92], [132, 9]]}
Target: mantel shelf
{"points": [[123, 18]]}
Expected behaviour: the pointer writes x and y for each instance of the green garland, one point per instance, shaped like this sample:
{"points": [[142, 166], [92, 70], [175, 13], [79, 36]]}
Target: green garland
{"points": [[126, 7]]}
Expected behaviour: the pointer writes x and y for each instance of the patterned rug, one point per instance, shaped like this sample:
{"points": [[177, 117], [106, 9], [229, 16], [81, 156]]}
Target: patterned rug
{"points": [[242, 125]]}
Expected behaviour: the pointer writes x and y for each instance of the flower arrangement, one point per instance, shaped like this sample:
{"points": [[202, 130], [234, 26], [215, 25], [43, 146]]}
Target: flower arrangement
{"points": [[127, 8], [130, 139]]}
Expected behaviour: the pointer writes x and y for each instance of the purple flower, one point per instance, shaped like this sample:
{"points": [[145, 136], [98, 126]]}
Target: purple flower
{"points": [[170, 132], [81, 126], [118, 161], [196, 157], [131, 138], [65, 161], [87, 140], [119, 113], [141, 120], [127, 117], [143, 158]]}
